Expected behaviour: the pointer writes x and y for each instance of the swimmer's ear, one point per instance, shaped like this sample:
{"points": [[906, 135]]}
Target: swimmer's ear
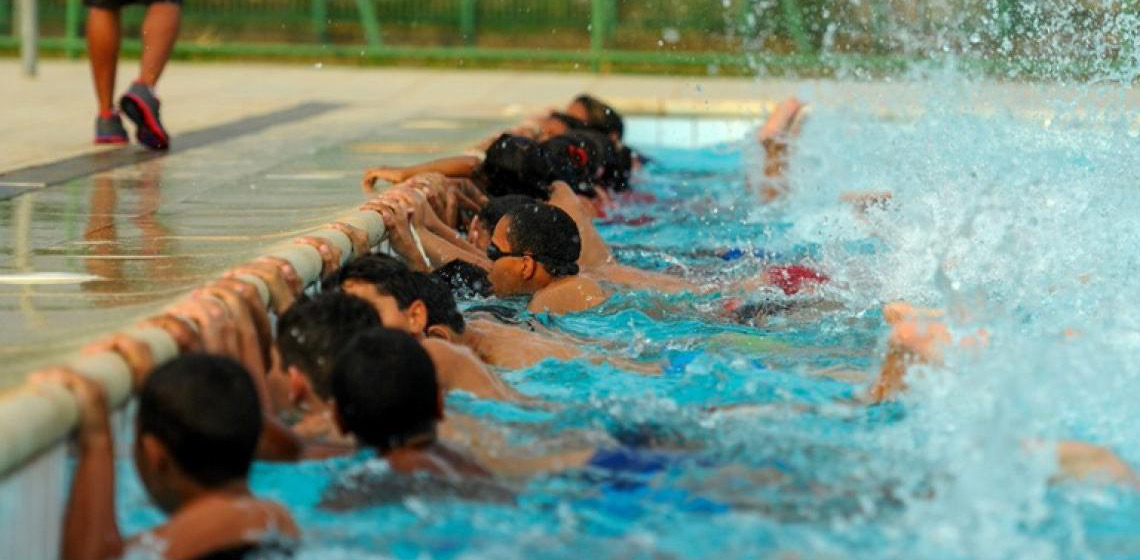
{"points": [[442, 332], [299, 386], [155, 455], [338, 420], [529, 267], [417, 316]]}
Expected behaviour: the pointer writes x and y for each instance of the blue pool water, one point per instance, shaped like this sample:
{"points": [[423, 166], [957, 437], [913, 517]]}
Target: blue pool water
{"points": [[1016, 227]]}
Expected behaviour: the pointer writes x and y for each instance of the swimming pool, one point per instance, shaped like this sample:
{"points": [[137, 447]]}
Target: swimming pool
{"points": [[756, 454]]}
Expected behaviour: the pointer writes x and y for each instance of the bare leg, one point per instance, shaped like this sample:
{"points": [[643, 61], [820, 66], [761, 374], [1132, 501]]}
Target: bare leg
{"points": [[103, 34], [159, 31]]}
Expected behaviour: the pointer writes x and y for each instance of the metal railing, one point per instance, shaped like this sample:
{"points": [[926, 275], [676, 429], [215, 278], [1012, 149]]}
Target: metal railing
{"points": [[595, 33], [773, 36]]}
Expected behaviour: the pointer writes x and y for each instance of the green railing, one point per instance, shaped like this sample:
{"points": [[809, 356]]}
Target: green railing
{"points": [[711, 35]]}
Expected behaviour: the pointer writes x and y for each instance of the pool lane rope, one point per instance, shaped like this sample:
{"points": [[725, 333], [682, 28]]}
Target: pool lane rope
{"points": [[36, 415]]}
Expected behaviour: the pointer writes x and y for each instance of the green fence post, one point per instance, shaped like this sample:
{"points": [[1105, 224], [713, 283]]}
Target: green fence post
{"points": [[878, 21], [369, 22], [794, 20], [71, 21], [467, 21], [320, 14], [598, 15], [1005, 19], [6, 18]]}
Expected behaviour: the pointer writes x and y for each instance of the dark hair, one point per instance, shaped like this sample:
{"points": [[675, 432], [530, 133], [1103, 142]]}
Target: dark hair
{"points": [[386, 389], [441, 308], [312, 332], [205, 411], [493, 211], [465, 279], [600, 116], [390, 277], [514, 165], [549, 234], [575, 160]]}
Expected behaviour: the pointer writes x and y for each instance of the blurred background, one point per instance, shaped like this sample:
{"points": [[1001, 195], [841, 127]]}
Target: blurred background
{"points": [[1008, 38]]}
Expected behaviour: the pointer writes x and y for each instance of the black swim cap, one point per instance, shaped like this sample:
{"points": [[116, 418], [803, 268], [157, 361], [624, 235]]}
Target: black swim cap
{"points": [[514, 165]]}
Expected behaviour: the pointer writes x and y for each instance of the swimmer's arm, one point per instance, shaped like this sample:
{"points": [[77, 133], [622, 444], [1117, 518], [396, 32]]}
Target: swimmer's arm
{"points": [[441, 252], [90, 528], [627, 364], [278, 442], [520, 464], [454, 166], [1083, 460]]}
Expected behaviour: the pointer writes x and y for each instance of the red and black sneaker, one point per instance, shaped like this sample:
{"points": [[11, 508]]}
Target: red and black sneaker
{"points": [[109, 129], [141, 106]]}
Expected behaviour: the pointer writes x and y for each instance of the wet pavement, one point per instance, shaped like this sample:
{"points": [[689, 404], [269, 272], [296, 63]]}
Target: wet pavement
{"points": [[94, 238]]}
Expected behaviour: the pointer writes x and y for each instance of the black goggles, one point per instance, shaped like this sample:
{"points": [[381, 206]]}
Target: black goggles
{"points": [[495, 253]]}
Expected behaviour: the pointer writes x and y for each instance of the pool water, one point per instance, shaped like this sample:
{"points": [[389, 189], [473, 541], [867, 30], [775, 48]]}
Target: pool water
{"points": [[755, 453]]}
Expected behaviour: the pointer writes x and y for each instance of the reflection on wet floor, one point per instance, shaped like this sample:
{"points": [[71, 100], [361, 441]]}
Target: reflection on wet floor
{"points": [[97, 252]]}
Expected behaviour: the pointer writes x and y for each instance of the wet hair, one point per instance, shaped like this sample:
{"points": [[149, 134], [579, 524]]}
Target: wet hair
{"points": [[571, 122], [514, 165], [465, 279], [206, 413], [494, 210], [441, 308], [603, 164], [312, 332], [547, 233], [390, 277], [386, 389], [600, 116], [575, 160]]}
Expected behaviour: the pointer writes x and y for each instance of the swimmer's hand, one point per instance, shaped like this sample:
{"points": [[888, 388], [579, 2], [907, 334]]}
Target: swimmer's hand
{"points": [[357, 236], [180, 330], [399, 230], [89, 396], [135, 353], [387, 173], [330, 254], [277, 274]]}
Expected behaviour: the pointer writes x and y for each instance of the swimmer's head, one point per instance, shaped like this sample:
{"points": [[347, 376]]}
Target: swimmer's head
{"points": [[466, 280], [310, 335], [386, 392], [393, 293], [372, 265], [491, 213], [575, 160], [560, 123], [514, 165], [198, 422], [532, 246], [443, 317], [598, 116]]}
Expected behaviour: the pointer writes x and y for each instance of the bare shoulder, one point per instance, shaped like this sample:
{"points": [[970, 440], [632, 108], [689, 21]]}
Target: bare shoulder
{"points": [[569, 297], [220, 524]]}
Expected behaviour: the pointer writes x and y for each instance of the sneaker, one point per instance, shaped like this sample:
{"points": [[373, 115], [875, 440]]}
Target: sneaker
{"points": [[141, 106], [109, 130]]}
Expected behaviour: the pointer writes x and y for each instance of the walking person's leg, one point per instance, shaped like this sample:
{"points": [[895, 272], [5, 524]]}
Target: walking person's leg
{"points": [[159, 32], [103, 37]]}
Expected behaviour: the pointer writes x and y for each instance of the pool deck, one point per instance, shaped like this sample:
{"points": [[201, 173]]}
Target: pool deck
{"points": [[262, 153]]}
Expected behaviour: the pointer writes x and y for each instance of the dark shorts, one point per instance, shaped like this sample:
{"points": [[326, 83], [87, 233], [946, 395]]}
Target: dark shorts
{"points": [[116, 4]]}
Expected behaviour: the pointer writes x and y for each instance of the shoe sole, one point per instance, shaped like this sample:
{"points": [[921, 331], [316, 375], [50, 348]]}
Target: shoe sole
{"points": [[112, 140], [150, 132]]}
